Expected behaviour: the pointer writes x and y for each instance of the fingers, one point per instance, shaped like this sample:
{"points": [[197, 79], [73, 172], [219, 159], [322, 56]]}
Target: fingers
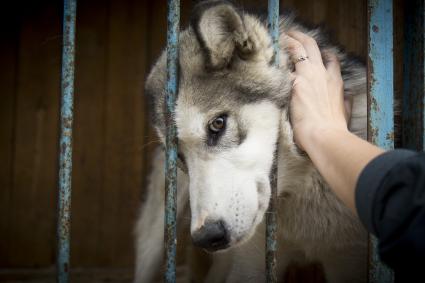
{"points": [[301, 45], [333, 67], [334, 79], [309, 45], [296, 51]]}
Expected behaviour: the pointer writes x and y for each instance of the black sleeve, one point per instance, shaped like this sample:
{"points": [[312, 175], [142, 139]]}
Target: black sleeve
{"points": [[390, 201]]}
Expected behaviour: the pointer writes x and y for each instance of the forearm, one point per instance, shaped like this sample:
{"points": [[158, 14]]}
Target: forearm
{"points": [[340, 157]]}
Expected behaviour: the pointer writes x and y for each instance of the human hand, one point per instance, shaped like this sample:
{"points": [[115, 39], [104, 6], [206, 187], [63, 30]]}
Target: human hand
{"points": [[317, 102]]}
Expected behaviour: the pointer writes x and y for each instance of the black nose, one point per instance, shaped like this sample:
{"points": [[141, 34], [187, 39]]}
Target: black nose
{"points": [[212, 236]]}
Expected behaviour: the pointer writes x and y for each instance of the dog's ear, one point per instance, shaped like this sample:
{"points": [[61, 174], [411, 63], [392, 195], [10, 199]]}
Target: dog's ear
{"points": [[221, 31]]}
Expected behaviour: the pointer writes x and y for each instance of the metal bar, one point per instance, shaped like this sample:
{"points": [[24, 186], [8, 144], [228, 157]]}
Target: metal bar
{"points": [[380, 102], [65, 158], [271, 216], [413, 80], [173, 21]]}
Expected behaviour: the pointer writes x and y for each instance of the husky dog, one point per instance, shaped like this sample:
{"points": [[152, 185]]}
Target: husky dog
{"points": [[231, 114]]}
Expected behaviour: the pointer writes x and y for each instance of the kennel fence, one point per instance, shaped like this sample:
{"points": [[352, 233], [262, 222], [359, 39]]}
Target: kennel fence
{"points": [[380, 118]]}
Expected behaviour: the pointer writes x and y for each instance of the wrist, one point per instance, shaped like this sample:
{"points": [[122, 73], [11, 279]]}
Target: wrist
{"points": [[316, 136]]}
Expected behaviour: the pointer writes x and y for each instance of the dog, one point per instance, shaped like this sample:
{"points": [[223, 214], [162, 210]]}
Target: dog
{"points": [[231, 115]]}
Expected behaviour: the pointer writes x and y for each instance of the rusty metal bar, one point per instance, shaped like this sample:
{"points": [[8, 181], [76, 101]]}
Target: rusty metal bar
{"points": [[65, 142], [380, 102], [271, 215], [170, 233], [413, 123]]}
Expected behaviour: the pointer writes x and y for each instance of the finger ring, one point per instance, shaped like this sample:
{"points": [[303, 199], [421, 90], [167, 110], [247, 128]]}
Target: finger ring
{"points": [[300, 59]]}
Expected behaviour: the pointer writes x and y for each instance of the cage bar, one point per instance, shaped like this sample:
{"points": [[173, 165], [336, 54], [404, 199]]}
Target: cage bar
{"points": [[173, 26], [380, 102], [271, 215], [413, 123], [65, 142]]}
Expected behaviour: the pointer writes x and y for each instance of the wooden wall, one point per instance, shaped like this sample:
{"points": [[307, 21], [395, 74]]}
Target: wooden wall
{"points": [[117, 40]]}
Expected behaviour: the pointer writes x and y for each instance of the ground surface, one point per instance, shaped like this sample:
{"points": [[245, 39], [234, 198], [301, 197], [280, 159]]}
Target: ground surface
{"points": [[306, 274], [77, 276]]}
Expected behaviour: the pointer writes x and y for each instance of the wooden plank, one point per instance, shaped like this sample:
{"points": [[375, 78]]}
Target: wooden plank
{"points": [[398, 12], [413, 123], [89, 128], [344, 19], [352, 26], [33, 199], [123, 135], [8, 57]]}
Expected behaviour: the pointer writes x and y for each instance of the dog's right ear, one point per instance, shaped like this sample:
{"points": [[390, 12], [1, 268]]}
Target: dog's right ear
{"points": [[221, 31]]}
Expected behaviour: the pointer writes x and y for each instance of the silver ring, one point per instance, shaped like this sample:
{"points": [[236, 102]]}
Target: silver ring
{"points": [[300, 59]]}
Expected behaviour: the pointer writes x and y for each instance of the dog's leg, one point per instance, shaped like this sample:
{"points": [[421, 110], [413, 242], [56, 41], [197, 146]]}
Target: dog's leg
{"points": [[150, 225]]}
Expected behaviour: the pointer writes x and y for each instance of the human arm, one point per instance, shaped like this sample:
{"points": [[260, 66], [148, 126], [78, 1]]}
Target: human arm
{"points": [[340, 157], [386, 190], [319, 120]]}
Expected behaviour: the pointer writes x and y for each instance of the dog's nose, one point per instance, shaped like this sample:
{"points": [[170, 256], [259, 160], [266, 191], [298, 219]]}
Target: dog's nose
{"points": [[212, 236]]}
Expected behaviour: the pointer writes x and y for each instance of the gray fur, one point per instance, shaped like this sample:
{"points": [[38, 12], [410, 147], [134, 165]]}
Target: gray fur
{"points": [[222, 71]]}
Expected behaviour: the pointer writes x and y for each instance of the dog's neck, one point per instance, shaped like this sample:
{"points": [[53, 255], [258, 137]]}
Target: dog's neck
{"points": [[295, 169]]}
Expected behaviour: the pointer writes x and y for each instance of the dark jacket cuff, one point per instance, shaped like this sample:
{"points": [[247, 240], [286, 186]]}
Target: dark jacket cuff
{"points": [[370, 181]]}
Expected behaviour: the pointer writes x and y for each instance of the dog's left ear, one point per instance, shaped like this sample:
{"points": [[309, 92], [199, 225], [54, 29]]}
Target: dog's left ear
{"points": [[221, 31]]}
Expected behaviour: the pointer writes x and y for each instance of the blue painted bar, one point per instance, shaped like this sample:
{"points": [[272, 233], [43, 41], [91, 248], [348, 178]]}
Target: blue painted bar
{"points": [[413, 81], [173, 28], [273, 27], [65, 142], [271, 215], [380, 102]]}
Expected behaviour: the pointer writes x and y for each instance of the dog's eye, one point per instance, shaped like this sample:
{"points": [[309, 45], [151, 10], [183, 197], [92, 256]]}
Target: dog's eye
{"points": [[218, 124]]}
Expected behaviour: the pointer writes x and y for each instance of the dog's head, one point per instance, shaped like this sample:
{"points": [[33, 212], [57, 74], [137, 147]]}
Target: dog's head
{"points": [[227, 115]]}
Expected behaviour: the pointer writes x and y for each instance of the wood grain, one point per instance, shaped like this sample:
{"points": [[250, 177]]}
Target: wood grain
{"points": [[89, 130], [123, 136], [31, 229], [8, 84]]}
